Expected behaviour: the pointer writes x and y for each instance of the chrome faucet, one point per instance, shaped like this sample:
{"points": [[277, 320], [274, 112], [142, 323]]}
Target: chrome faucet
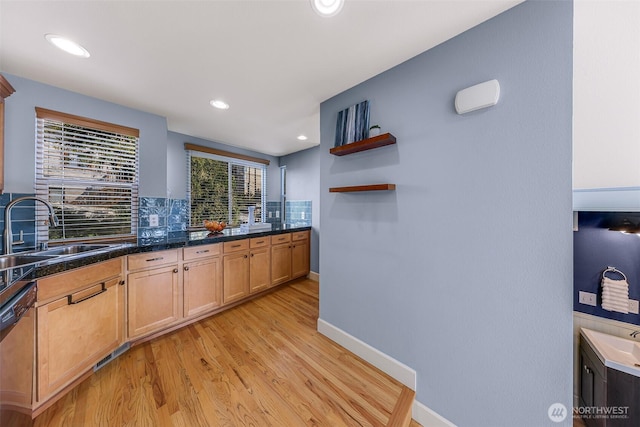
{"points": [[8, 234]]}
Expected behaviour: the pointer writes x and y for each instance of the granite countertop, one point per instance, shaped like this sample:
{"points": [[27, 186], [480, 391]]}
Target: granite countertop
{"points": [[175, 240]]}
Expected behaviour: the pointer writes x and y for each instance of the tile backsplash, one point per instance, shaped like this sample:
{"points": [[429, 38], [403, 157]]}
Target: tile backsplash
{"points": [[172, 217], [23, 220], [298, 212]]}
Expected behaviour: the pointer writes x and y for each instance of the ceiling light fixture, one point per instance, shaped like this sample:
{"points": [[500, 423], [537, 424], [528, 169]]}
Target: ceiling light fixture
{"points": [[302, 137], [327, 8], [67, 45], [625, 226], [219, 104]]}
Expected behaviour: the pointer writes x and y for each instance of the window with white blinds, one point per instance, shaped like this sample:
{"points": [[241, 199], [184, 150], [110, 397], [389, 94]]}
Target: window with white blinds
{"points": [[88, 170], [222, 188]]}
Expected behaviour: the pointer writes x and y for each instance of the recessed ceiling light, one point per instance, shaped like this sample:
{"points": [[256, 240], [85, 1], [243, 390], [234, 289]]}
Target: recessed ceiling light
{"points": [[302, 137], [219, 104], [327, 8], [67, 45]]}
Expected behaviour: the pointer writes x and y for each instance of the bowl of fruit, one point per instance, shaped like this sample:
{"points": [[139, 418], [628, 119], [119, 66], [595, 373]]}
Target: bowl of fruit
{"points": [[215, 226]]}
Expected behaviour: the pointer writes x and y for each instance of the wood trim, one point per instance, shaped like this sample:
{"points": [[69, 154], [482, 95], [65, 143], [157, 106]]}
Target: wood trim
{"points": [[401, 415], [5, 88], [43, 113], [355, 188], [209, 150]]}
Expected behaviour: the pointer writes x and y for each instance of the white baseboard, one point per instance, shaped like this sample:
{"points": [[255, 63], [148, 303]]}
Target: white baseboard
{"points": [[386, 364], [428, 417], [313, 276]]}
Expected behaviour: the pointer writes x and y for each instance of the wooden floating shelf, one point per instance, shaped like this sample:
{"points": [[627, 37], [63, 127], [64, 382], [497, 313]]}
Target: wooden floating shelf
{"points": [[363, 145], [355, 188]]}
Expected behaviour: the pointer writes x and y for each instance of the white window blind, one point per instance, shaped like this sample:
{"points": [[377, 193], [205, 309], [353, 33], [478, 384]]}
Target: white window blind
{"points": [[88, 170], [223, 188]]}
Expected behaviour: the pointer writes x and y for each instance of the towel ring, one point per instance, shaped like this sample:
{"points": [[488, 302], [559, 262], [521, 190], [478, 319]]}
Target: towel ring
{"points": [[610, 269]]}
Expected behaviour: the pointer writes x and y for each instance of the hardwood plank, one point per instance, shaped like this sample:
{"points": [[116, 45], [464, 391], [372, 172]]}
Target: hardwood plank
{"points": [[401, 416], [261, 363]]}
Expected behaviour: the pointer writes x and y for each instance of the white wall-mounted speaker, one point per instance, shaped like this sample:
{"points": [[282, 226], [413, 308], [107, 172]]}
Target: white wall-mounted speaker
{"points": [[482, 95]]}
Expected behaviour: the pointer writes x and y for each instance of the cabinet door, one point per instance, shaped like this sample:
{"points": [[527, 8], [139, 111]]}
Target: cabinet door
{"points": [[16, 363], [260, 269], [236, 276], [202, 286], [280, 263], [153, 300], [299, 258], [75, 332], [592, 384]]}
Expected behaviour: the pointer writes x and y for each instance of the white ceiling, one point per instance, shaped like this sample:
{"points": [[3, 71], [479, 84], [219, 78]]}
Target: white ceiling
{"points": [[273, 61]]}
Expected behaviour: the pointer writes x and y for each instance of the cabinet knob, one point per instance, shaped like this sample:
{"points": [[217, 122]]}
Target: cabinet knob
{"points": [[587, 369], [186, 268], [175, 270], [121, 283], [245, 256]]}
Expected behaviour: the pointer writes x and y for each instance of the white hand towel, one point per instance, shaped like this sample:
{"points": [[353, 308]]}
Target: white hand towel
{"points": [[615, 295]]}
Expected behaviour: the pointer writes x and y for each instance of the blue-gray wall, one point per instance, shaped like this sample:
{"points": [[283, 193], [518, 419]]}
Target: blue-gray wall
{"points": [[303, 183], [19, 154], [162, 157], [464, 273]]}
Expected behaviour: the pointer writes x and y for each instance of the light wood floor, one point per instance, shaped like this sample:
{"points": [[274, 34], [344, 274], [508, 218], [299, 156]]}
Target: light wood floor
{"points": [[259, 364]]}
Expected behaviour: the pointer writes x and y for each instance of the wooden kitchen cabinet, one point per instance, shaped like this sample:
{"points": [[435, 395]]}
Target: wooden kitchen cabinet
{"points": [[299, 254], [17, 353], [259, 264], [153, 292], [289, 256], [202, 279], [280, 258], [5, 91], [235, 267], [79, 322]]}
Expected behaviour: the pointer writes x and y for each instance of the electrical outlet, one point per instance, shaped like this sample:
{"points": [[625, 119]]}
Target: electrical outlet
{"points": [[633, 306], [154, 220], [587, 298]]}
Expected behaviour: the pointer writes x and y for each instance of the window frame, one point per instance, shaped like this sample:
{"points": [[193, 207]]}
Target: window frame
{"points": [[232, 159], [43, 183]]}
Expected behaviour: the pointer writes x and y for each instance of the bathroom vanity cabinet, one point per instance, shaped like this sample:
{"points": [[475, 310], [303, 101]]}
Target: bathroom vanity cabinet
{"points": [[608, 397]]}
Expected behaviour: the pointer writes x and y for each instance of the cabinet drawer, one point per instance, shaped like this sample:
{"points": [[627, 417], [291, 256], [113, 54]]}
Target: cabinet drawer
{"points": [[299, 235], [236, 245], [259, 242], [152, 259], [202, 251], [281, 238], [67, 282]]}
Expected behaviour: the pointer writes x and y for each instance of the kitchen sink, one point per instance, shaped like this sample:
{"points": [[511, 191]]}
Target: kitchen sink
{"points": [[18, 260], [73, 249], [65, 252]]}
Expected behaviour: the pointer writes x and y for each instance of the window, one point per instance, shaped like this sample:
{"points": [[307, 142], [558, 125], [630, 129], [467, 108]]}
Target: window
{"points": [[88, 170], [222, 186]]}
